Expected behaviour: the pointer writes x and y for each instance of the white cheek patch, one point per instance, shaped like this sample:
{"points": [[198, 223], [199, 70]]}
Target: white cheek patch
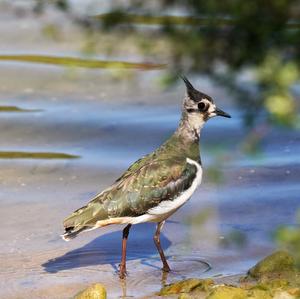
{"points": [[211, 110], [212, 107]]}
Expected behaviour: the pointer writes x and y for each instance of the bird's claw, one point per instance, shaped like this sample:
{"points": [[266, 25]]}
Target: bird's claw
{"points": [[122, 272]]}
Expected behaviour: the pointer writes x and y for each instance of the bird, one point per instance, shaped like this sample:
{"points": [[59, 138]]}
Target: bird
{"points": [[155, 186]]}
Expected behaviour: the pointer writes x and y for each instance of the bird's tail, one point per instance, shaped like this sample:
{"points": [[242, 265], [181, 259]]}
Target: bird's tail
{"points": [[71, 232], [83, 219]]}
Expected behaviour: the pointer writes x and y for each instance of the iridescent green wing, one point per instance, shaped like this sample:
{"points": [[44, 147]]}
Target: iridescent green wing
{"points": [[107, 203], [136, 166], [143, 186], [148, 185]]}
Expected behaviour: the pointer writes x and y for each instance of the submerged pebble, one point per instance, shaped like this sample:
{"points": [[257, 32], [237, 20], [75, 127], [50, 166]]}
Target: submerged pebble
{"points": [[186, 286], [95, 291], [227, 292]]}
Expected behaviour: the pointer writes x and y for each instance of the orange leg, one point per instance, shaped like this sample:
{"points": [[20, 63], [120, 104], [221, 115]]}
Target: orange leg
{"points": [[156, 238], [122, 273]]}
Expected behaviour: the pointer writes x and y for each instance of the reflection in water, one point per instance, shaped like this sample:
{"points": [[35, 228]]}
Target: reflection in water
{"points": [[124, 288], [123, 284], [164, 277], [183, 267]]}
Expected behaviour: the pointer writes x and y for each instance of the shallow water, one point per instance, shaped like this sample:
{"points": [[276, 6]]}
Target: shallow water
{"points": [[92, 128], [223, 230]]}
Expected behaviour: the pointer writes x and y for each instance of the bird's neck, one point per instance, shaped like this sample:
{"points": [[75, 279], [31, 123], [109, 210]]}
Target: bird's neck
{"points": [[189, 127], [185, 141]]}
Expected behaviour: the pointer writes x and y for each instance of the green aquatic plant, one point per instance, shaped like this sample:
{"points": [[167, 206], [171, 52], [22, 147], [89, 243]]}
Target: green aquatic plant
{"points": [[35, 155], [81, 62], [17, 109]]}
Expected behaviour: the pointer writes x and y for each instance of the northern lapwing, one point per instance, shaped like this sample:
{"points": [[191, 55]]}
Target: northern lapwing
{"points": [[155, 186]]}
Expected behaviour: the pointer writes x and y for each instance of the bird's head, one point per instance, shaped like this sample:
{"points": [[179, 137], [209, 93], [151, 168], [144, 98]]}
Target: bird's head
{"points": [[198, 106]]}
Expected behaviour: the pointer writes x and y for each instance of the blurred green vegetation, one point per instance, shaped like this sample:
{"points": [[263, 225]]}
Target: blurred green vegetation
{"points": [[224, 40], [289, 239]]}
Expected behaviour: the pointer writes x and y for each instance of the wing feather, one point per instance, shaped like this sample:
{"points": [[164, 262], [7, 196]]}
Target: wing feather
{"points": [[143, 186]]}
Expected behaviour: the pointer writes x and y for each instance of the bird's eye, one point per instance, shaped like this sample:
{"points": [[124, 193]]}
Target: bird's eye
{"points": [[202, 107]]}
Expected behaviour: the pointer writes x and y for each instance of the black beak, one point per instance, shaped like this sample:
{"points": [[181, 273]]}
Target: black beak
{"points": [[222, 113]]}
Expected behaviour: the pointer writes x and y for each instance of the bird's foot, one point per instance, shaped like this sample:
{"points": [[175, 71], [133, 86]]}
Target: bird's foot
{"points": [[166, 268], [122, 273]]}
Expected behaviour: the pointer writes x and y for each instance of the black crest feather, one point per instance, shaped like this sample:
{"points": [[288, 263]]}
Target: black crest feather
{"points": [[188, 84], [193, 93]]}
